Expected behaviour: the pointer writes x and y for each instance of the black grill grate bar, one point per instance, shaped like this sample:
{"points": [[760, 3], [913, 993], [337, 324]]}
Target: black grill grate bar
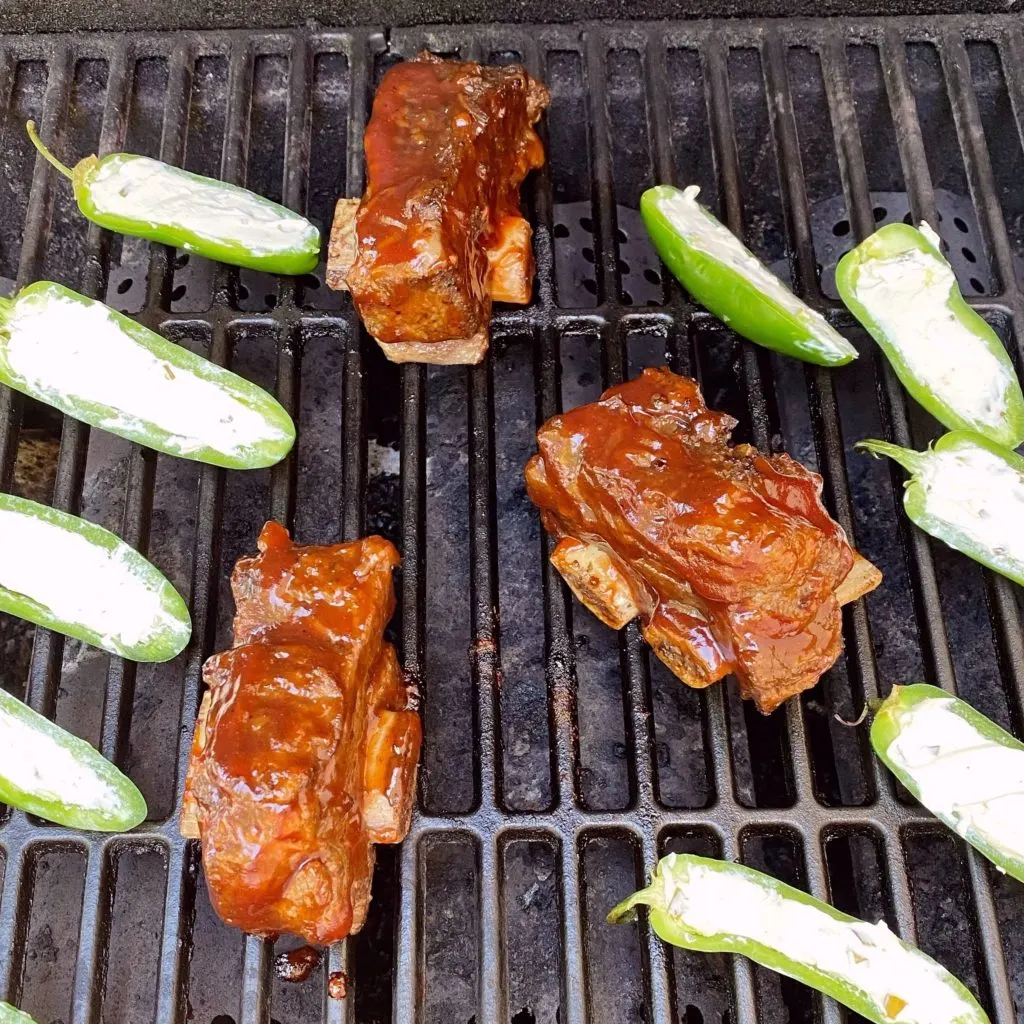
{"points": [[793, 189], [595, 55], [723, 141], [967, 119]]}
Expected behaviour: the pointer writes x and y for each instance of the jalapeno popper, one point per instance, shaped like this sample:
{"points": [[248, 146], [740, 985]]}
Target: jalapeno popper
{"points": [[723, 275], [64, 573], [103, 368], [49, 772], [11, 1015], [968, 493], [715, 906], [136, 195], [899, 286], [966, 770]]}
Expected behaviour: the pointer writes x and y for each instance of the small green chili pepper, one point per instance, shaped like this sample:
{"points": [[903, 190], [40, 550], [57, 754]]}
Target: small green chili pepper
{"points": [[715, 906], [722, 274], [968, 493], [64, 573], [11, 1015], [966, 770], [899, 286], [135, 195], [49, 772], [103, 368]]}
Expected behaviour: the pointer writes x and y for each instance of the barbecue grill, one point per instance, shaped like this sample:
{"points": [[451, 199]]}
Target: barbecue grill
{"points": [[560, 759]]}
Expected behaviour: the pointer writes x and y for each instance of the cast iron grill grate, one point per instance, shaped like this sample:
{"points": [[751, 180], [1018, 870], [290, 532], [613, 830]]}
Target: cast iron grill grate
{"points": [[560, 759]]}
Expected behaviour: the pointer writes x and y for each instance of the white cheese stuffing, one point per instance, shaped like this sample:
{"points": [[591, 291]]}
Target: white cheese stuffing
{"points": [[907, 295], [912, 989], [38, 764], [65, 349], [146, 190], [78, 581], [962, 774], [976, 491]]}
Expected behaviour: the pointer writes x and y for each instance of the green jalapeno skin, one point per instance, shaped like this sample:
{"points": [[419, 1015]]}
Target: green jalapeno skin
{"points": [[136, 195], [866, 967], [101, 367], [933, 743], [967, 492], [77, 578], [11, 1015], [900, 287], [717, 269], [47, 771]]}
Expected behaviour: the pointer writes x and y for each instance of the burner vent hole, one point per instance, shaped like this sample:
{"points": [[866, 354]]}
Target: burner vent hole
{"points": [[179, 293], [561, 231], [524, 1016], [961, 224], [841, 228], [879, 213], [586, 223], [969, 255]]}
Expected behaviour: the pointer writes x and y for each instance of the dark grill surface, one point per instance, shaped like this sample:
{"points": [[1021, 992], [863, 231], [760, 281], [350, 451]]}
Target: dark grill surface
{"points": [[560, 758]]}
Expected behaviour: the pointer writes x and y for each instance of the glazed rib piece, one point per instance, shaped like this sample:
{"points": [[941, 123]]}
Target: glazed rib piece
{"points": [[726, 554], [438, 234], [306, 744]]}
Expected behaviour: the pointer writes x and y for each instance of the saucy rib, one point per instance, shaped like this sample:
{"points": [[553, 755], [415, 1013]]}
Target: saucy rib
{"points": [[438, 235], [307, 741], [727, 555]]}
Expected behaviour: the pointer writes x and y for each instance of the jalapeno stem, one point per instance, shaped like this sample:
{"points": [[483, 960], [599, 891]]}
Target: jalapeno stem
{"points": [[30, 127], [910, 460]]}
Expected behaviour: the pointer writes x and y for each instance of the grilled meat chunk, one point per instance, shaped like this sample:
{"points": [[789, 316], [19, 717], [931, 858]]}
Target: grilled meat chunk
{"points": [[726, 554], [438, 234], [307, 741]]}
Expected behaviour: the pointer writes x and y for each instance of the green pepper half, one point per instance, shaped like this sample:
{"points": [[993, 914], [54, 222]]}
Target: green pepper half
{"points": [[67, 574], [967, 492], [12, 1015], [899, 286], [101, 367], [49, 772], [136, 195], [718, 907], [962, 766], [723, 275]]}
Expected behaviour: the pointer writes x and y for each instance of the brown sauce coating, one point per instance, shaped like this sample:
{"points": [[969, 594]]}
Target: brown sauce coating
{"points": [[439, 233], [305, 750], [726, 554]]}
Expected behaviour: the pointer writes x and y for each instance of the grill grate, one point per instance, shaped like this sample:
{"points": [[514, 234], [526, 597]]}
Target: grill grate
{"points": [[560, 759]]}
